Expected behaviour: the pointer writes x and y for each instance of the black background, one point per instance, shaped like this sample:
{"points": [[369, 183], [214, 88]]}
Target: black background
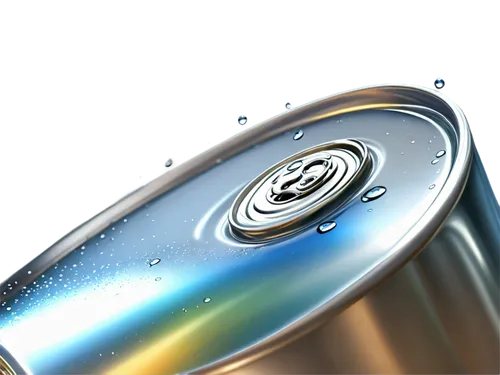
{"points": [[88, 132]]}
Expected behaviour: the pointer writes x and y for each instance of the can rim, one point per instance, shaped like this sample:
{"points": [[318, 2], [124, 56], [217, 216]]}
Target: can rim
{"points": [[369, 97]]}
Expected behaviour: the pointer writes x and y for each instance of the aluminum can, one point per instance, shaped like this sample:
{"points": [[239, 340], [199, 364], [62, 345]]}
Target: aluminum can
{"points": [[355, 234]]}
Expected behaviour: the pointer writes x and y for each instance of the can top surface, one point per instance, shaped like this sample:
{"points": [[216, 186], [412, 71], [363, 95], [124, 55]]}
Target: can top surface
{"points": [[248, 244]]}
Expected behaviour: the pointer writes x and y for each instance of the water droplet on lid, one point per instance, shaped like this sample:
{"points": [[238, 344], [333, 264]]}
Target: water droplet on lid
{"points": [[373, 193], [435, 161], [440, 153], [299, 134], [326, 227], [287, 105], [169, 163], [439, 83], [207, 299], [432, 186], [242, 120], [154, 262]]}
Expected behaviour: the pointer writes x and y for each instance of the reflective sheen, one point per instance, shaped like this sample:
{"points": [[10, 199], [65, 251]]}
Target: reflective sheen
{"points": [[344, 302]]}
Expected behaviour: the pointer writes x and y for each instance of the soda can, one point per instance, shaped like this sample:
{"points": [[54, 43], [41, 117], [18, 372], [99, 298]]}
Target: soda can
{"points": [[355, 234]]}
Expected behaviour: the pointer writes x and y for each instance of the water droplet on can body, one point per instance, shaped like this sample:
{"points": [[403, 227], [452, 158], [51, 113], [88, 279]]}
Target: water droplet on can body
{"points": [[432, 186], [326, 227], [299, 134], [169, 163], [373, 194], [207, 299], [288, 106], [435, 161]]}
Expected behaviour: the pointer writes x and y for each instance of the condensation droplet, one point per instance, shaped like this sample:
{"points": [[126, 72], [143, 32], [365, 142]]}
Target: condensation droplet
{"points": [[440, 153], [207, 299], [288, 106], [402, 153], [326, 227], [370, 210], [103, 235], [29, 272], [432, 186], [154, 262], [435, 161], [412, 142], [373, 193], [242, 120], [125, 220], [387, 133], [184, 310], [9, 308], [439, 83], [158, 279], [299, 134], [170, 162]]}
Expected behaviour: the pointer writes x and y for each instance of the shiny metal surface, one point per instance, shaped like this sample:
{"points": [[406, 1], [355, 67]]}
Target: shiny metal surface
{"points": [[157, 284], [293, 192], [437, 315]]}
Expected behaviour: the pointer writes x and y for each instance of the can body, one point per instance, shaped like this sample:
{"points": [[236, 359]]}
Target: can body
{"points": [[356, 234], [437, 315]]}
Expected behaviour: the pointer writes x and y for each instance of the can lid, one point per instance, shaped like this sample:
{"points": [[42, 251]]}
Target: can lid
{"points": [[254, 241], [295, 191]]}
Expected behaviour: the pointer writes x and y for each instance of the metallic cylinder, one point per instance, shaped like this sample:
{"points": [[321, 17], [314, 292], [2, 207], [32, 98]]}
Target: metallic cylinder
{"points": [[355, 234]]}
